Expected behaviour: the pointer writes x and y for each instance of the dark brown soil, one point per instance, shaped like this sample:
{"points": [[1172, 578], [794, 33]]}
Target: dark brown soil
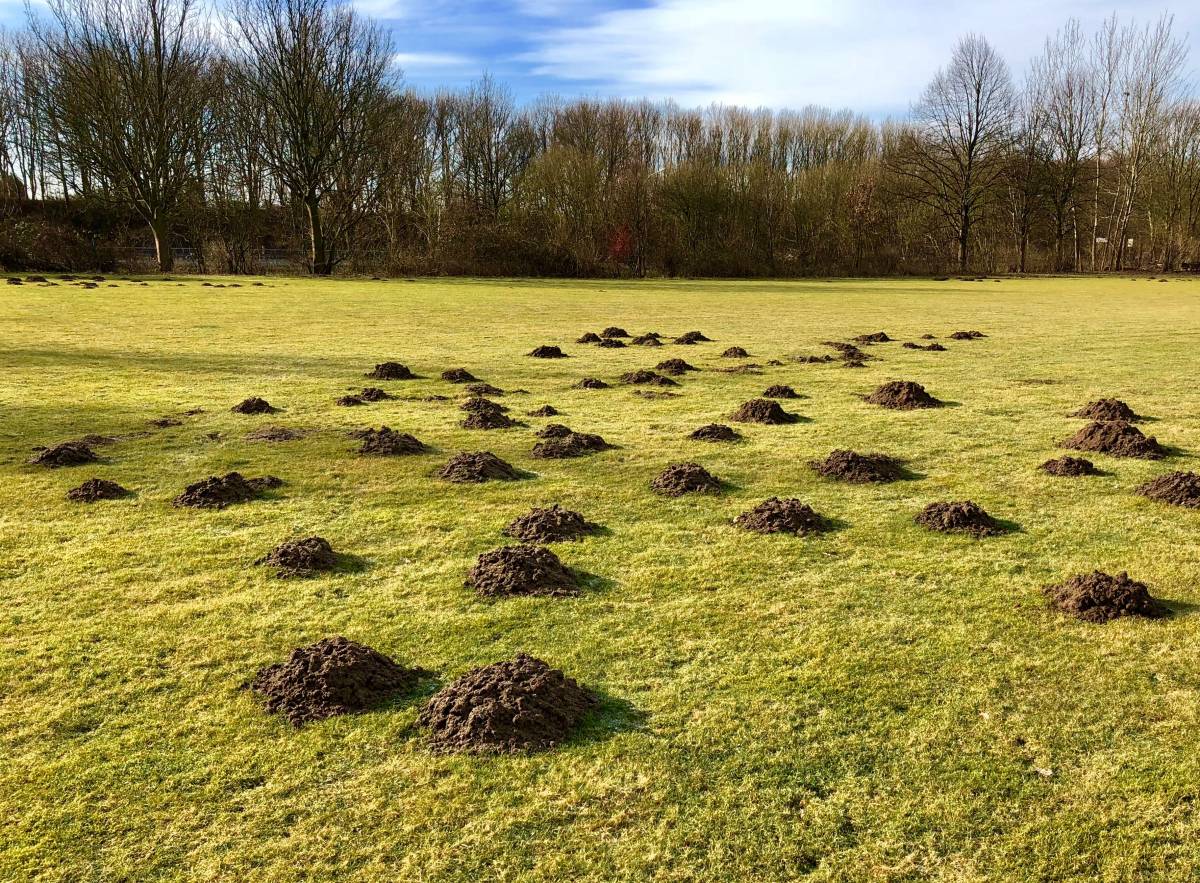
{"points": [[902, 395], [472, 467], [1069, 466], [69, 453], [675, 367], [613, 331], [331, 677], [386, 442], [762, 411], [488, 420], [554, 430], [877, 337], [782, 516], [780, 391], [643, 377], [589, 337], [274, 434], [591, 383], [484, 389], [646, 340], [692, 337], [715, 432], [1098, 597], [735, 352], [846, 349], [458, 375], [685, 478], [1177, 488], [928, 337], [349, 401], [254, 405], [812, 360], [507, 707], [1107, 409], [931, 348], [374, 394], [573, 444], [859, 468], [391, 371], [611, 343], [477, 405], [1117, 438], [548, 352], [550, 525], [544, 411], [219, 491], [967, 335], [302, 557], [521, 570], [95, 489], [962, 516]]}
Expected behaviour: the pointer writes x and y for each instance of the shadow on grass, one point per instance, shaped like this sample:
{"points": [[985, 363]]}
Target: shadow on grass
{"points": [[612, 715]]}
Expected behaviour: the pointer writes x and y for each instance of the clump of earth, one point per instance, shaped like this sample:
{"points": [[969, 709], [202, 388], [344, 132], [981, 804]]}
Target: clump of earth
{"points": [[527, 569], [685, 478], [1099, 597], [551, 524], [782, 516]]}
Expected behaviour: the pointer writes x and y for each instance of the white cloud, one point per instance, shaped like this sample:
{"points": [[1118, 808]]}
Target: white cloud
{"points": [[425, 60]]}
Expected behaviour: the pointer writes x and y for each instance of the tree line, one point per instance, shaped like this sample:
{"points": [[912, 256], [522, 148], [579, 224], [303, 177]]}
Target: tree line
{"points": [[284, 124]]}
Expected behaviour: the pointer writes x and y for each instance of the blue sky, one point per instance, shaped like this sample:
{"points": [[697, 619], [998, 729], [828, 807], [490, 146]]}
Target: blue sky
{"points": [[870, 55]]}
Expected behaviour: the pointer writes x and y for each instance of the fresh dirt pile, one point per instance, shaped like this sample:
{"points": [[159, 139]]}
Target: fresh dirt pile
{"points": [[488, 420], [692, 337], [543, 411], [967, 335], [458, 375], [349, 401], [68, 453], [472, 467], [254, 405], [961, 516], [1177, 488], [644, 376], [588, 337], [685, 478], [613, 331], [675, 367], [902, 395], [1069, 466], [391, 371], [554, 430], [521, 570], [386, 442], [549, 525], [646, 340], [374, 394], [782, 516], [780, 391], [506, 707], [859, 468], [95, 489], [219, 491], [735, 352], [611, 343], [931, 348], [274, 434], [846, 349], [1117, 438], [591, 383], [573, 444], [478, 404], [1107, 409], [715, 432], [302, 557], [1098, 597], [811, 360], [547, 352], [333, 676], [762, 411], [877, 337], [484, 389]]}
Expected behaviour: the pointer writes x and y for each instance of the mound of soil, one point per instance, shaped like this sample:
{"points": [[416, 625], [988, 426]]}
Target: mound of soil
{"points": [[1069, 466], [931, 348], [588, 337], [549, 525], [506, 707], [472, 467], [877, 337], [69, 453], [374, 394], [1107, 409], [846, 349], [303, 557], [219, 491], [675, 367], [349, 401], [811, 360], [1177, 488], [478, 404], [274, 434], [967, 335], [521, 570], [859, 468], [613, 331], [735, 352], [715, 432], [685, 478], [254, 405], [1098, 597], [543, 411], [644, 376], [692, 337], [902, 395], [331, 677], [484, 389], [611, 343], [782, 516], [13, 280], [962, 516], [748, 368], [553, 430], [762, 411], [96, 489], [646, 340], [780, 391], [458, 375], [391, 371], [386, 442], [488, 420], [1118, 438], [573, 444], [591, 383], [547, 352]]}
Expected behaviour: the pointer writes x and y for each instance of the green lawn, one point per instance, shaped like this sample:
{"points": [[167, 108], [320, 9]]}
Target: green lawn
{"points": [[877, 703]]}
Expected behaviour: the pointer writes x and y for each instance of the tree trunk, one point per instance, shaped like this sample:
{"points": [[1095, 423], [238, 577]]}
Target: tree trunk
{"points": [[964, 242], [318, 252], [162, 245]]}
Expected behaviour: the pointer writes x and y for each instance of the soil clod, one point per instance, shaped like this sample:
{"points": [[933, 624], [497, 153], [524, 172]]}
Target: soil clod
{"points": [[458, 375], [544, 411], [877, 337], [762, 411], [69, 453], [473, 467], [349, 401], [391, 371], [1176, 488], [692, 337], [859, 468], [780, 391], [735, 352], [301, 558], [646, 340], [553, 524], [95, 489], [548, 352], [967, 335], [1107, 409], [572, 444], [1099, 597], [613, 331], [488, 419], [588, 337], [643, 377], [526, 569], [1069, 466], [962, 516], [219, 491], [930, 348], [716, 432], [685, 478], [611, 343], [591, 383], [387, 442], [782, 516], [374, 394], [484, 389], [675, 367], [254, 405], [1117, 438], [902, 395]]}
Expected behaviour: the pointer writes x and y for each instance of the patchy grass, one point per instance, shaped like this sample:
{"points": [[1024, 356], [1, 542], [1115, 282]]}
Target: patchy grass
{"points": [[875, 703]]}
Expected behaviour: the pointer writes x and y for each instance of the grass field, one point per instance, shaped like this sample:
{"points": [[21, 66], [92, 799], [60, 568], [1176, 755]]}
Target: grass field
{"points": [[876, 703]]}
